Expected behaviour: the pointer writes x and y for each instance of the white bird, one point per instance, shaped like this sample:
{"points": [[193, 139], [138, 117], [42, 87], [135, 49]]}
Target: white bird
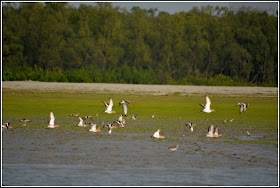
{"points": [[110, 126], [109, 108], [213, 131], [191, 125], [157, 135], [51, 122], [93, 128], [153, 115], [133, 116], [248, 133], [243, 107], [81, 123], [124, 105], [206, 107]]}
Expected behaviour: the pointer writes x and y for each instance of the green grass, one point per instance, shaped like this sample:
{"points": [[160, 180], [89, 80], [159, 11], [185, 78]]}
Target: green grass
{"points": [[171, 112]]}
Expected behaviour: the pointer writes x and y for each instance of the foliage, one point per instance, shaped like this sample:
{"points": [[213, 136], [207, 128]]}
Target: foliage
{"points": [[101, 43]]}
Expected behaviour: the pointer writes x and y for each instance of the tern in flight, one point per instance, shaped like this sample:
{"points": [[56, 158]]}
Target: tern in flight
{"points": [[51, 122], [109, 107], [243, 107], [124, 105], [213, 131], [206, 107]]}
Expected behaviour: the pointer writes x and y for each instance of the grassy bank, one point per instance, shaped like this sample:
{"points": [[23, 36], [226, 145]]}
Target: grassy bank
{"points": [[172, 112]]}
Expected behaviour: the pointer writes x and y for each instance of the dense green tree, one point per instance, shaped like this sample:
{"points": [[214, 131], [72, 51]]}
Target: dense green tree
{"points": [[54, 41]]}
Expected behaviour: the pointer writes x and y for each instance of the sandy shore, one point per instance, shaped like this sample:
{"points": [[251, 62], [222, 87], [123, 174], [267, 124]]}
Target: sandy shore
{"points": [[140, 88]]}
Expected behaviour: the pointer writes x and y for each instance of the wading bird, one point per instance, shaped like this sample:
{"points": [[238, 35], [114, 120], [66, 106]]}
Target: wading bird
{"points": [[24, 121], [124, 105], [173, 148], [51, 122], [206, 107], [248, 133], [157, 135], [243, 107], [109, 108], [74, 115], [6, 126]]}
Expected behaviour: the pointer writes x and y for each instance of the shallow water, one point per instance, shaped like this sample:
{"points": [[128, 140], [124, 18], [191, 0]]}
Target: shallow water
{"points": [[77, 175], [38, 157]]}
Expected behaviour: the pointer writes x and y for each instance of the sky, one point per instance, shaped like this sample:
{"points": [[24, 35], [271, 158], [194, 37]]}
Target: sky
{"points": [[178, 6]]}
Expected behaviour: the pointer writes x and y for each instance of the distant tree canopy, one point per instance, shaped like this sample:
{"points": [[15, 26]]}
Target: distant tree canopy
{"points": [[102, 43]]}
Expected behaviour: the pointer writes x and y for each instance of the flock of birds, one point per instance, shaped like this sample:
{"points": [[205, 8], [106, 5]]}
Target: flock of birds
{"points": [[212, 131]]}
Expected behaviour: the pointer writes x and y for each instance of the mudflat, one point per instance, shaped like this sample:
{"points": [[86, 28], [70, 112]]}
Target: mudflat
{"points": [[139, 88]]}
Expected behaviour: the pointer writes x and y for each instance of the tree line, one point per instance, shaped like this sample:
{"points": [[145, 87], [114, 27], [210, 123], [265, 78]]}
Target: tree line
{"points": [[102, 43]]}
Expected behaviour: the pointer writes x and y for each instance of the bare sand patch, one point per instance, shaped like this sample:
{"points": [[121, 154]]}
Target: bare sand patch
{"points": [[140, 88]]}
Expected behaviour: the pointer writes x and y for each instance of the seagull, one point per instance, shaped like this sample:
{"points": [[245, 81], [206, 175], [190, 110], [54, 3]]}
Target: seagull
{"points": [[109, 107], [74, 115], [81, 123], [243, 107], [248, 133], [173, 148], [93, 128], [133, 116], [124, 104], [6, 126], [51, 122], [213, 131], [207, 106], [157, 135], [24, 121], [191, 125]]}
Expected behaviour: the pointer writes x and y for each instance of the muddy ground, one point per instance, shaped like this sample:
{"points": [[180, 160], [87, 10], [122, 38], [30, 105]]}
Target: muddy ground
{"points": [[33, 156]]}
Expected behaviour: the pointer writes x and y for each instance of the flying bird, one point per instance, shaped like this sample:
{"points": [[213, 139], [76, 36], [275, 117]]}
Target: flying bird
{"points": [[110, 126], [109, 106], [133, 116], [206, 107], [213, 131], [243, 107], [93, 128], [157, 135], [51, 122], [124, 105], [82, 122], [190, 125]]}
